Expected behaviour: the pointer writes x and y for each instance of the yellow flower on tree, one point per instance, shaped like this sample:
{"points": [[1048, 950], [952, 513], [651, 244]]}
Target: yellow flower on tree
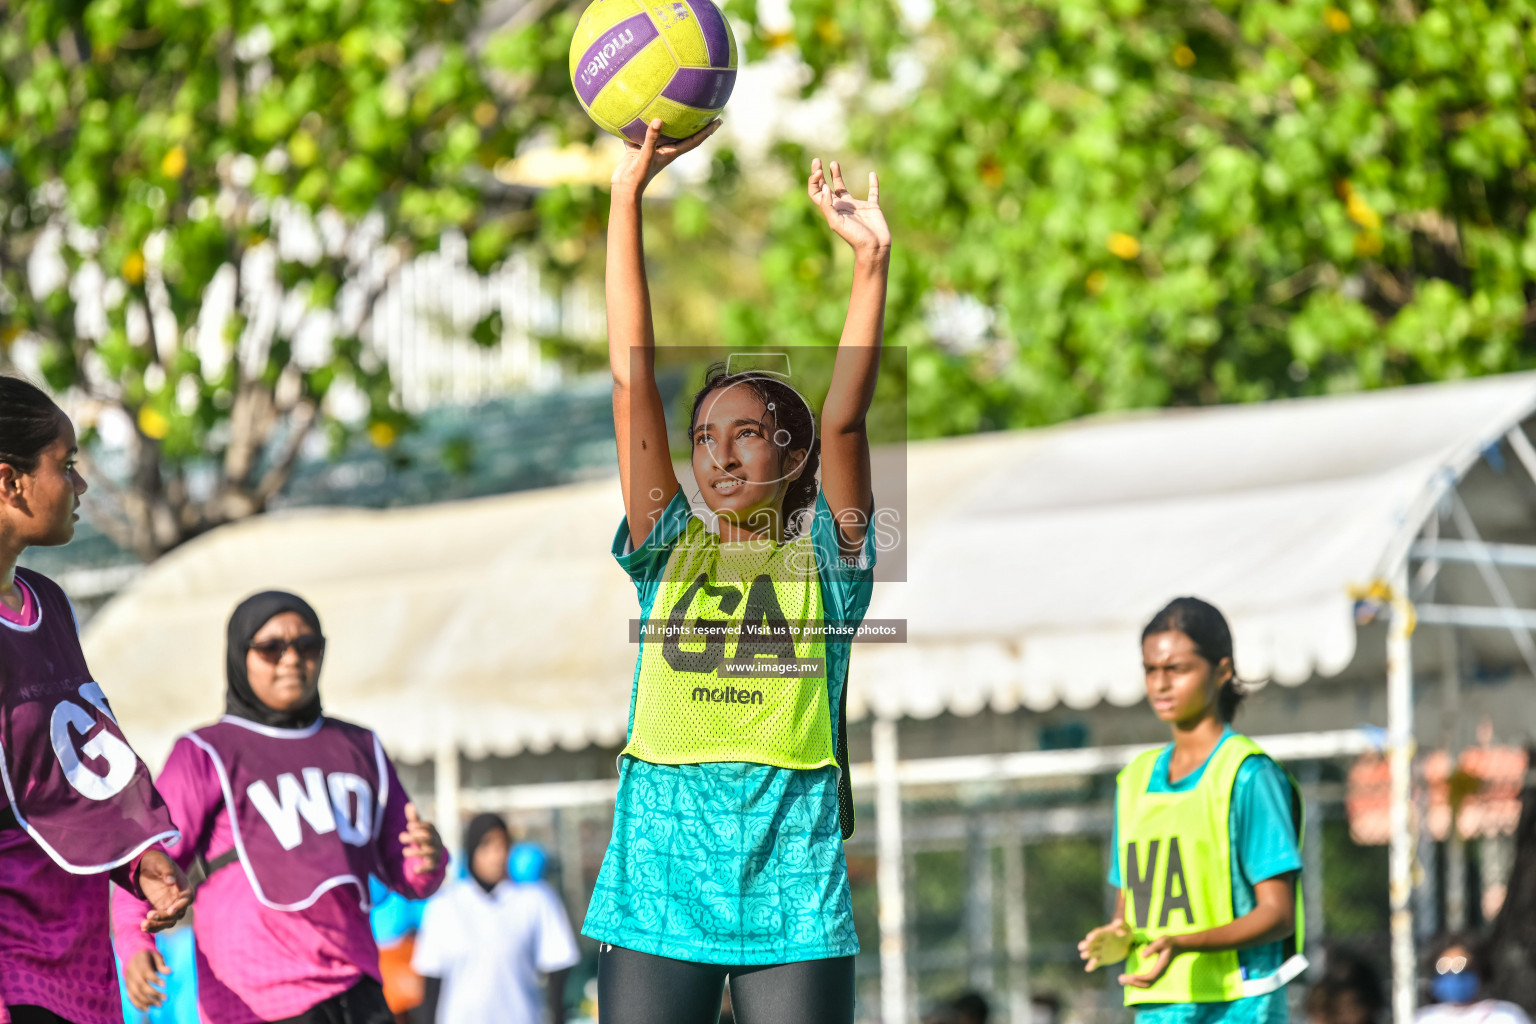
{"points": [[1367, 243], [382, 434], [1336, 19], [1361, 213], [133, 268], [153, 424], [174, 163], [1123, 245], [1183, 56]]}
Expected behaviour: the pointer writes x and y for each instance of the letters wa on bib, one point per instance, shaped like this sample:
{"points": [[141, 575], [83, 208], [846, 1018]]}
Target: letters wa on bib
{"points": [[1177, 870]]}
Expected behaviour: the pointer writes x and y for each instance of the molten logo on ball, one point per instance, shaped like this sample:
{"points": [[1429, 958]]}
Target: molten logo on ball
{"points": [[636, 60], [599, 63]]}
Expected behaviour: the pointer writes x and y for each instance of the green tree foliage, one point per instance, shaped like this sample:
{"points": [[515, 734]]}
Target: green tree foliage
{"points": [[151, 148], [1124, 203]]}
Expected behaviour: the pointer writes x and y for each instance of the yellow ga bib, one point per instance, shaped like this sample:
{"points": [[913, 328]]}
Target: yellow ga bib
{"points": [[733, 657]]}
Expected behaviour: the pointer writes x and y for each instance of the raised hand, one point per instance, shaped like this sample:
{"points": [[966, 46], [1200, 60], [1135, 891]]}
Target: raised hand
{"points": [[643, 162], [858, 222], [166, 889], [142, 978], [421, 843]]}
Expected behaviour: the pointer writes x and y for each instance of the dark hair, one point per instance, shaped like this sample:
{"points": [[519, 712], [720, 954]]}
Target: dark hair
{"points": [[1476, 962], [29, 422], [790, 413], [1203, 623], [972, 1007], [480, 826], [1345, 972]]}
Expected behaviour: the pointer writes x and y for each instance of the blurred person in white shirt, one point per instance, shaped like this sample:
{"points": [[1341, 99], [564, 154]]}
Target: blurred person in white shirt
{"points": [[1455, 975], [486, 940]]}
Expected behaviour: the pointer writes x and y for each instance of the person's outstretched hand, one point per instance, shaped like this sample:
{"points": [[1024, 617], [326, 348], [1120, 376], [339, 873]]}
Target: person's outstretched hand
{"points": [[141, 977], [1106, 944], [166, 889], [643, 162], [421, 842], [859, 222]]}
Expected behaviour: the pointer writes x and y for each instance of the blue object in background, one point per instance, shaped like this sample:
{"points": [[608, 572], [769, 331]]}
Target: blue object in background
{"points": [[526, 862], [393, 916], [180, 1007]]}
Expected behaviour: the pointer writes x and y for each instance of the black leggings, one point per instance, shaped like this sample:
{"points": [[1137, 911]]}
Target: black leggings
{"points": [[34, 1015], [363, 1003], [638, 988]]}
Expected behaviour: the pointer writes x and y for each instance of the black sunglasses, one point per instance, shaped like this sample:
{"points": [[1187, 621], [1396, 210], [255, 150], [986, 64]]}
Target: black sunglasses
{"points": [[310, 645]]}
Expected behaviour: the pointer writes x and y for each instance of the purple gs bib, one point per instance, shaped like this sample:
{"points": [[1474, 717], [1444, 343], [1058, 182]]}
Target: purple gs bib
{"points": [[305, 805], [73, 781]]}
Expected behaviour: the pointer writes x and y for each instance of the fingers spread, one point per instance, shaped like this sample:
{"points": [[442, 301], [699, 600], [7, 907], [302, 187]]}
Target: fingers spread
{"points": [[874, 188], [837, 179]]}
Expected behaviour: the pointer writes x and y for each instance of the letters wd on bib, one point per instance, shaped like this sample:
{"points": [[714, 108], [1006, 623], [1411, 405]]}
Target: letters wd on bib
{"points": [[306, 805], [291, 811]]}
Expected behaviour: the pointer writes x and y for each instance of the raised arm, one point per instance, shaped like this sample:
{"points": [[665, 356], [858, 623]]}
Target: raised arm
{"points": [[639, 421], [845, 474]]}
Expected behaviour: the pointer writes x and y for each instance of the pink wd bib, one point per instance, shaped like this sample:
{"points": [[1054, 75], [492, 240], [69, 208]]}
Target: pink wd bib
{"points": [[305, 805]]}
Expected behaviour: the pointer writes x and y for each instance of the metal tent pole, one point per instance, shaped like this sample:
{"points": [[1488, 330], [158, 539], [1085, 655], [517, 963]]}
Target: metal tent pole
{"points": [[1312, 863], [445, 790], [890, 880], [1455, 847], [1016, 932], [981, 906], [1400, 760]]}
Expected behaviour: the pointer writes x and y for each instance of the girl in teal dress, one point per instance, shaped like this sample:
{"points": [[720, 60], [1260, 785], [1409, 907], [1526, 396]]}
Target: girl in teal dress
{"points": [[726, 860]]}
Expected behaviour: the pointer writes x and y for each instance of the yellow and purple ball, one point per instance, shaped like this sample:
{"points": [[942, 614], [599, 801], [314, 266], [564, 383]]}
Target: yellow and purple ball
{"points": [[636, 60]]}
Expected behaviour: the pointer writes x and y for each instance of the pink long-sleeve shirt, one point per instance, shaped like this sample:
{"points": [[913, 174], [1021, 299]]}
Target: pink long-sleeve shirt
{"points": [[256, 964], [54, 950]]}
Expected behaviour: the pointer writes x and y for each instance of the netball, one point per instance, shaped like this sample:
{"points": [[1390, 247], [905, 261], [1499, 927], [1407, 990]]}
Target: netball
{"points": [[634, 61]]}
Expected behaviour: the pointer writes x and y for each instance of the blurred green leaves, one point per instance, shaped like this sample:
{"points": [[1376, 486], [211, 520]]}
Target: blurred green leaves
{"points": [[150, 149], [1176, 203]]}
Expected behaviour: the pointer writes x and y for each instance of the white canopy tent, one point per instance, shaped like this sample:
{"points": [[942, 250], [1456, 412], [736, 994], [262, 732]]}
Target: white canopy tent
{"points": [[1033, 558]]}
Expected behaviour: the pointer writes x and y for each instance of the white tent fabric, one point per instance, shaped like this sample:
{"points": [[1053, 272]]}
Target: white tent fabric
{"points": [[1050, 549], [1033, 559]]}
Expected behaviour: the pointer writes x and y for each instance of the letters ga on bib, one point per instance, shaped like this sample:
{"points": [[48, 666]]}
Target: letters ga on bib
{"points": [[72, 780], [733, 659]]}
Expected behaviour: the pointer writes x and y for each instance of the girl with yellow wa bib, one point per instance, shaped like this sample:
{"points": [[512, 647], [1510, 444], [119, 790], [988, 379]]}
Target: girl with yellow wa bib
{"points": [[726, 860], [1207, 834]]}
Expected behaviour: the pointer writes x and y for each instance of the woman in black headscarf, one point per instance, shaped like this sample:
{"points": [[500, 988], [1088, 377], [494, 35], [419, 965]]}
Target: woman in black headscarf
{"points": [[308, 807]]}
